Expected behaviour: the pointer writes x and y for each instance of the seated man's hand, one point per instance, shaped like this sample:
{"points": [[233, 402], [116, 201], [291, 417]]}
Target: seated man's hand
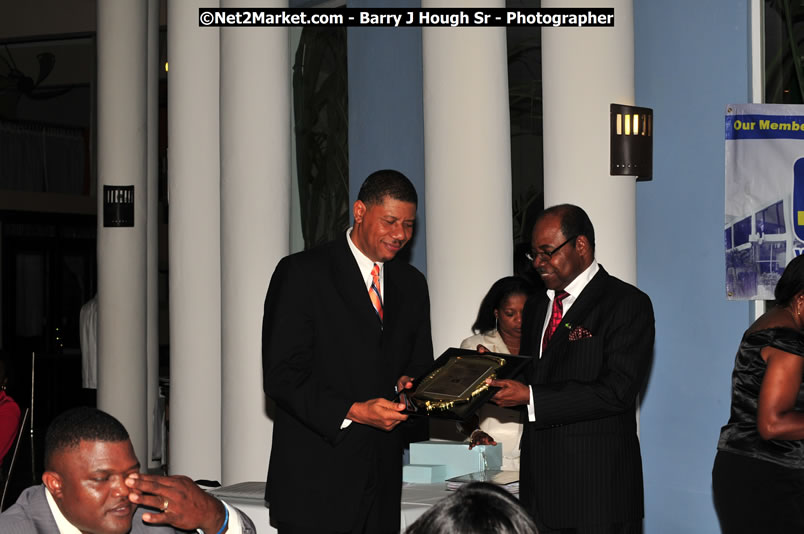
{"points": [[379, 413], [512, 393], [182, 503]]}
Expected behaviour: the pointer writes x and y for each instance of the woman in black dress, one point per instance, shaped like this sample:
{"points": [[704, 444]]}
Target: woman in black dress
{"points": [[758, 476]]}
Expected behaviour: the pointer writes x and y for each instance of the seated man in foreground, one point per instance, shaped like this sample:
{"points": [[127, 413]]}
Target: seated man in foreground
{"points": [[92, 485]]}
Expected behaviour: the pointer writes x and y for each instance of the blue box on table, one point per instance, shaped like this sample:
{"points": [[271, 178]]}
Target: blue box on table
{"points": [[455, 456]]}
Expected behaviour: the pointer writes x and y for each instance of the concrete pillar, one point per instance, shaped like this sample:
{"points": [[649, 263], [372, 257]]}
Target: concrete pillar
{"points": [[576, 127], [467, 165], [194, 242], [152, 232], [122, 47], [255, 197]]}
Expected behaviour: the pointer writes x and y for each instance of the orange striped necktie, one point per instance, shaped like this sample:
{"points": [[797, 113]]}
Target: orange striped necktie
{"points": [[374, 291]]}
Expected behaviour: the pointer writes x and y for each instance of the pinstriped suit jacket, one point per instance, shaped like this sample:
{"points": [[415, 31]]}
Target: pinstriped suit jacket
{"points": [[31, 515], [581, 462]]}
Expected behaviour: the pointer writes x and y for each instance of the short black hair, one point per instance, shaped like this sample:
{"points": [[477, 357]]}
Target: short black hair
{"points": [[500, 290], [72, 427], [475, 508], [387, 183], [791, 283], [574, 221]]}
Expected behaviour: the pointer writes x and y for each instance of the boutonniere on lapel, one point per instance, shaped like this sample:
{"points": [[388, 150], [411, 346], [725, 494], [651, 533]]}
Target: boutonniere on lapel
{"points": [[577, 332]]}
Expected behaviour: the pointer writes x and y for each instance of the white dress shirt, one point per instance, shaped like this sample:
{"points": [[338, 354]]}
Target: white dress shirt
{"points": [[503, 424], [366, 265]]}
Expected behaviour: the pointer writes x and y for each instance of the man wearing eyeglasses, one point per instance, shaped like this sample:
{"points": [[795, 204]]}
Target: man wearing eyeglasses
{"points": [[591, 337]]}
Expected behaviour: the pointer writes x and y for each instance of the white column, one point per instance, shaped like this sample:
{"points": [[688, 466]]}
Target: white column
{"points": [[152, 234], [255, 197], [122, 48], [583, 71], [467, 162], [194, 242], [757, 307]]}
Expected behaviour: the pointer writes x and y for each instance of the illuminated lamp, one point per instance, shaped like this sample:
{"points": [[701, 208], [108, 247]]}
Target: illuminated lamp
{"points": [[631, 141]]}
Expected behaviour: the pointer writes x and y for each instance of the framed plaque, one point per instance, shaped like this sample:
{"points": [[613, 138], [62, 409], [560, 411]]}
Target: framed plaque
{"points": [[455, 386]]}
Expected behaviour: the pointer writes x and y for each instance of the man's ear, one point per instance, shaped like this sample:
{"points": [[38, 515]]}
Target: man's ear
{"points": [[583, 246], [359, 210], [52, 481]]}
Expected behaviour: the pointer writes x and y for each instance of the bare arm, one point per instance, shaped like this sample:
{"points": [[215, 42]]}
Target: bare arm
{"points": [[777, 417]]}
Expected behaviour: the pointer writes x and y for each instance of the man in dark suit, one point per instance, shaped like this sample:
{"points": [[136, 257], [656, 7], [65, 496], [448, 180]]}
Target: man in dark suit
{"points": [[92, 485], [345, 326], [591, 338]]}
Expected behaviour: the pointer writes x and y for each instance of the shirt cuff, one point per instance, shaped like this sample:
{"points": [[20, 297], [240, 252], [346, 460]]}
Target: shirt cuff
{"points": [[531, 409], [346, 422], [235, 527]]}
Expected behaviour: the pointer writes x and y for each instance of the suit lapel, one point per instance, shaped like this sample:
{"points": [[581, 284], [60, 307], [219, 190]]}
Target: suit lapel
{"points": [[585, 303], [391, 299], [39, 511], [349, 283]]}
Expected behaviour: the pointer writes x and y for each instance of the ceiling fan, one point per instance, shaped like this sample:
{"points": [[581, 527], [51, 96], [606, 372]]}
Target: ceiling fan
{"points": [[15, 84]]}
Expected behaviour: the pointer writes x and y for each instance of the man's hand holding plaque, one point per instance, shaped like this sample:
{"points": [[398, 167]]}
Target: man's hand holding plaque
{"points": [[404, 382], [511, 392], [379, 413]]}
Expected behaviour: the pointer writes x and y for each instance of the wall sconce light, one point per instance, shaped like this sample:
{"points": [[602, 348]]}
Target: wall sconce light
{"points": [[631, 141]]}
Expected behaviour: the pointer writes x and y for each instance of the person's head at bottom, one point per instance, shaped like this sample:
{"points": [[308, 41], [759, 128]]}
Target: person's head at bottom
{"points": [[88, 456], [476, 508]]}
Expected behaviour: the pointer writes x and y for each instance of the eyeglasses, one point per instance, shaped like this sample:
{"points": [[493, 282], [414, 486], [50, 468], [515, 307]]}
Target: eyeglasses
{"points": [[546, 256]]}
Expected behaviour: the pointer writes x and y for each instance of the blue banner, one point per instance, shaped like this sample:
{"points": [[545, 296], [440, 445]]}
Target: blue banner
{"points": [[764, 127], [764, 208]]}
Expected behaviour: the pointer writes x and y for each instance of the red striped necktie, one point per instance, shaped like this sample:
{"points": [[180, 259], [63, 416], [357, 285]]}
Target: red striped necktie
{"points": [[555, 317], [374, 291]]}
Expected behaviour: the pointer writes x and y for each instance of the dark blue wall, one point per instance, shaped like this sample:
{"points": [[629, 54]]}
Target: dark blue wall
{"points": [[386, 128], [692, 59]]}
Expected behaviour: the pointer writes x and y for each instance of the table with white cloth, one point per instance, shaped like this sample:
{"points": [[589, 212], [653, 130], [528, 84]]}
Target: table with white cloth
{"points": [[249, 497], [417, 498]]}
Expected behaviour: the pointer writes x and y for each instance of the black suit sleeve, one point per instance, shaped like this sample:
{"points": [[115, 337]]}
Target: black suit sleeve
{"points": [[288, 337]]}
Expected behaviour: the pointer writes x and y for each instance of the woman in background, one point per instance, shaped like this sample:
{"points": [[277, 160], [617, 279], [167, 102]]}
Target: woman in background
{"points": [[758, 476], [498, 328]]}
